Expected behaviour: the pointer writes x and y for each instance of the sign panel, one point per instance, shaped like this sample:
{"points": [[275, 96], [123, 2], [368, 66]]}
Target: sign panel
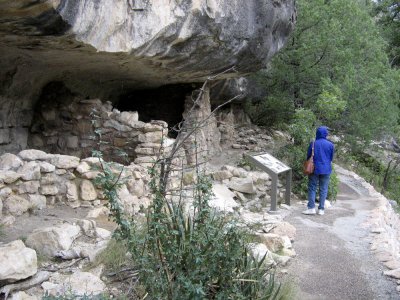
{"points": [[271, 163]]}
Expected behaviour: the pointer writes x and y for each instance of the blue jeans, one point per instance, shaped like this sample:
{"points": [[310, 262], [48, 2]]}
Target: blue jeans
{"points": [[313, 181]]}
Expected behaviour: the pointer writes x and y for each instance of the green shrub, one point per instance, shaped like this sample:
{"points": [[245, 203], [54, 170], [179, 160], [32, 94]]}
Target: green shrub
{"points": [[200, 255], [272, 111]]}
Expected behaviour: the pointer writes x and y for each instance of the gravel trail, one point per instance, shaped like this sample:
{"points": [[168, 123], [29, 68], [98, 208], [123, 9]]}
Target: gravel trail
{"points": [[334, 260]]}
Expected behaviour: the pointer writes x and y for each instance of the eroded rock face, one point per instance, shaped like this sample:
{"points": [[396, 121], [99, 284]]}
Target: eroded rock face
{"points": [[103, 49], [190, 35]]}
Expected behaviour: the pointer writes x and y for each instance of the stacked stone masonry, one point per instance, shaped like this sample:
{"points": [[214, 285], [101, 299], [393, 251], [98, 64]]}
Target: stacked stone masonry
{"points": [[33, 179]]}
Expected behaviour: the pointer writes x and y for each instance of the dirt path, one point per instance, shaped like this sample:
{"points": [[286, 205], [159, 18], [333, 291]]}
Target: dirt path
{"points": [[334, 260]]}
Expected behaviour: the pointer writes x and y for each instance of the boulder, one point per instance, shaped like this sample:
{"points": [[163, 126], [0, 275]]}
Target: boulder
{"points": [[49, 178], [221, 175], [72, 191], [65, 161], [243, 185], [51, 239], [90, 175], [117, 126], [33, 154], [151, 137], [259, 251], [223, 199], [5, 192], [83, 167], [88, 191], [16, 205], [46, 167], [103, 234], [78, 284], [23, 296], [129, 202], [97, 212], [37, 201], [129, 118], [9, 176], [10, 161], [136, 187], [274, 242], [17, 261], [30, 187], [284, 229], [30, 171], [48, 190]]}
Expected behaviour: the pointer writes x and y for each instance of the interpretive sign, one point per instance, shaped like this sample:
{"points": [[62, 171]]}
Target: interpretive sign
{"points": [[273, 167], [270, 162]]}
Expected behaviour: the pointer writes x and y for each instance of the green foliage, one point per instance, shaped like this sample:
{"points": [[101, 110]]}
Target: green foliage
{"points": [[302, 129], [336, 66], [333, 186], [384, 177], [329, 105], [201, 255], [272, 112], [388, 14]]}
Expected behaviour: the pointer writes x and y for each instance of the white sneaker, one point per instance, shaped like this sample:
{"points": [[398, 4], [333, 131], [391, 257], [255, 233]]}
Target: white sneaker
{"points": [[321, 212], [310, 211]]}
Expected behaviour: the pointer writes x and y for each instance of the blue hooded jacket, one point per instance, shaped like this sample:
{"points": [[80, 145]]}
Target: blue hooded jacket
{"points": [[323, 152]]}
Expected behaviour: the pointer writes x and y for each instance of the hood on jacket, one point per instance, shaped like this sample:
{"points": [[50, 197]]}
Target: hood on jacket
{"points": [[322, 132]]}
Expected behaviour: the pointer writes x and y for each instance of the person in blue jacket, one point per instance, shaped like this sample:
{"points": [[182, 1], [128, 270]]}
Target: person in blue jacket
{"points": [[323, 156]]}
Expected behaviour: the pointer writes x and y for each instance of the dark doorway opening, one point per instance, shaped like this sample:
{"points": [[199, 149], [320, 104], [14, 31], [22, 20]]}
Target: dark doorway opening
{"points": [[165, 103]]}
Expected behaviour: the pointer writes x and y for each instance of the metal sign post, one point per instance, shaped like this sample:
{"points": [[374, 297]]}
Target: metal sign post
{"points": [[273, 167]]}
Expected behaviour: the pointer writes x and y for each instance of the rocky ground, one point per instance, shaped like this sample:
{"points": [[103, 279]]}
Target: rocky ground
{"points": [[49, 248], [54, 222]]}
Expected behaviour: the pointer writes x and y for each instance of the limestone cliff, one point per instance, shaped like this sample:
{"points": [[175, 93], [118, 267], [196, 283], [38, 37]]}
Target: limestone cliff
{"points": [[107, 49]]}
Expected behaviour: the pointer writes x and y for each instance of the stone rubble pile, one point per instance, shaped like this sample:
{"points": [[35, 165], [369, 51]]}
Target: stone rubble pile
{"points": [[250, 189], [256, 139], [66, 241]]}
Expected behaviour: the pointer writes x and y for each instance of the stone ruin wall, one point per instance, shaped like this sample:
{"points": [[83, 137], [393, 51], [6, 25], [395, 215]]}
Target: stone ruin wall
{"points": [[33, 179], [68, 126], [71, 129]]}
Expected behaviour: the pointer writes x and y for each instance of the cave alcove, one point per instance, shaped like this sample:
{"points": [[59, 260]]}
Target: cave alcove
{"points": [[164, 103]]}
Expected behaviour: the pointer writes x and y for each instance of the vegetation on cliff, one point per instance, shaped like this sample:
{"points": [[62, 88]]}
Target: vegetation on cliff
{"points": [[338, 69]]}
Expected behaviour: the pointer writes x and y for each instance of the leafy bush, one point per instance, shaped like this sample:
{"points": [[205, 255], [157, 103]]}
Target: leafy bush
{"points": [[272, 111], [200, 255]]}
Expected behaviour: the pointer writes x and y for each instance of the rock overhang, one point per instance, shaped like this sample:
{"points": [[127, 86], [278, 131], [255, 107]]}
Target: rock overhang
{"points": [[102, 47]]}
